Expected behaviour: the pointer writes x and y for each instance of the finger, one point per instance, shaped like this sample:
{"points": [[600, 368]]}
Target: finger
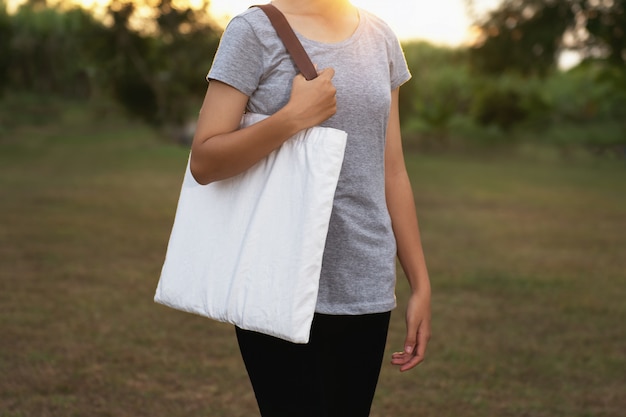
{"points": [[327, 73], [398, 355], [401, 358], [416, 360], [401, 362], [410, 341], [422, 344]]}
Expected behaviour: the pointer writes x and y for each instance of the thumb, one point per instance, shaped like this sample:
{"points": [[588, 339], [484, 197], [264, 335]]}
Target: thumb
{"points": [[410, 342]]}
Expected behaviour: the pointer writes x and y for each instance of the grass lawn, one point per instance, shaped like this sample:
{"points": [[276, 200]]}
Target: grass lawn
{"points": [[527, 261]]}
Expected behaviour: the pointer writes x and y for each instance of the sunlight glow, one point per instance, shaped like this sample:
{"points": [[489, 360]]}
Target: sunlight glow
{"points": [[443, 22], [438, 21]]}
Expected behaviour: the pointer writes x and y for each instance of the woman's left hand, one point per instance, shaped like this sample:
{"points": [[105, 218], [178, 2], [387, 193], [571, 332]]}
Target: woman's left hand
{"points": [[418, 333]]}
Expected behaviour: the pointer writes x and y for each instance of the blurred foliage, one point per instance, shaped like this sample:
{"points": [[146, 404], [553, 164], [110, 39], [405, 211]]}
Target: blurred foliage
{"points": [[509, 101], [150, 56], [69, 52], [527, 36], [606, 26], [440, 88], [588, 108], [448, 105], [161, 69], [47, 49], [508, 88], [5, 46], [522, 35]]}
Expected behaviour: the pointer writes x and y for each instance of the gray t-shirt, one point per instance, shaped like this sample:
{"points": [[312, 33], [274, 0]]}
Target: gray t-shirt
{"points": [[358, 269]]}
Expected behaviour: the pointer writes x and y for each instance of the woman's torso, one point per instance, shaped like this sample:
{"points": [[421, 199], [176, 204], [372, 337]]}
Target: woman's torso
{"points": [[358, 270]]}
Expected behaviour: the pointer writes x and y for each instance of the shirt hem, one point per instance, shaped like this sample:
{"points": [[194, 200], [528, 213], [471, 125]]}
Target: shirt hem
{"points": [[354, 310]]}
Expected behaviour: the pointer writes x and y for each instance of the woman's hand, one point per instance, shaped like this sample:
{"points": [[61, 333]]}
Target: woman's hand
{"points": [[221, 149], [418, 333], [312, 102]]}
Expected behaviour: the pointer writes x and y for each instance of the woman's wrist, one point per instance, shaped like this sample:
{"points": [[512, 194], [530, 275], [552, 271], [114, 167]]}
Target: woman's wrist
{"points": [[420, 284]]}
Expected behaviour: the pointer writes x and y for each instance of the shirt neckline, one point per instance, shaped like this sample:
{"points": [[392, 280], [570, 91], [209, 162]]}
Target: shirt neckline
{"points": [[353, 37]]}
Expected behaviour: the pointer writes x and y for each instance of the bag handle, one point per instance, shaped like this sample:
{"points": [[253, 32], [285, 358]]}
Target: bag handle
{"points": [[289, 38]]}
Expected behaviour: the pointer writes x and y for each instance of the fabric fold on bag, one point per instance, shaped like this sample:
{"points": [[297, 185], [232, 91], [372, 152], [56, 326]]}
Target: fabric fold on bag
{"points": [[248, 250]]}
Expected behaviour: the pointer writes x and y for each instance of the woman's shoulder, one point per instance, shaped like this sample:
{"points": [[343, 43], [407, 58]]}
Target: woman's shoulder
{"points": [[251, 20], [376, 24], [250, 14]]}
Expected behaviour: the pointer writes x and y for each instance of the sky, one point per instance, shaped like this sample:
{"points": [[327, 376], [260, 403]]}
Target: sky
{"points": [[438, 21]]}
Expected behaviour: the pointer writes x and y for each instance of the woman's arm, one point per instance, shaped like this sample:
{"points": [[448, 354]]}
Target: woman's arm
{"points": [[221, 150], [410, 253]]}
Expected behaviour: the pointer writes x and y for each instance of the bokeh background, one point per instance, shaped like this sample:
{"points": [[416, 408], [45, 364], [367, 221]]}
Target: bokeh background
{"points": [[514, 126]]}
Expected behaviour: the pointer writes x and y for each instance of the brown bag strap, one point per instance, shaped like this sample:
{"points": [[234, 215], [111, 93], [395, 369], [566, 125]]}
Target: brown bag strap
{"points": [[289, 38]]}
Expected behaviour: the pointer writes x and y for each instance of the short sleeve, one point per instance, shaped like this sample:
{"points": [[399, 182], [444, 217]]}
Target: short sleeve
{"points": [[238, 61], [398, 67]]}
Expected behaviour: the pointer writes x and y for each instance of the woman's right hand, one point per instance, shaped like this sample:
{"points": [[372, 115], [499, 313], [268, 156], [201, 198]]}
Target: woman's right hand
{"points": [[312, 102], [221, 149]]}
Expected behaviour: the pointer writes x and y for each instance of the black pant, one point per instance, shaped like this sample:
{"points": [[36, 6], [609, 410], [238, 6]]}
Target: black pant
{"points": [[335, 374]]}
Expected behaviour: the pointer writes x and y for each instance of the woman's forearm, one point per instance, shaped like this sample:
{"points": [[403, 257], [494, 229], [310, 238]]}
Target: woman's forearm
{"points": [[406, 229], [221, 149], [228, 154]]}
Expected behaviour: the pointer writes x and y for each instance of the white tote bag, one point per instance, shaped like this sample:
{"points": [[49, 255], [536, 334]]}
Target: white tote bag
{"points": [[248, 250]]}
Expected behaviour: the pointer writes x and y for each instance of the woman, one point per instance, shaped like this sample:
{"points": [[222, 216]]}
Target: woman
{"points": [[361, 67]]}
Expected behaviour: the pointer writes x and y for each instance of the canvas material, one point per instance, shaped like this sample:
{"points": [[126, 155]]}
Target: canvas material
{"points": [[248, 250]]}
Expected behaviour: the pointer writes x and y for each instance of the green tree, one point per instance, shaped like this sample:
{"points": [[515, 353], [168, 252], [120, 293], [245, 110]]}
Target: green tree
{"points": [[527, 36], [154, 72], [440, 89], [46, 49], [154, 69], [606, 26], [6, 33]]}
